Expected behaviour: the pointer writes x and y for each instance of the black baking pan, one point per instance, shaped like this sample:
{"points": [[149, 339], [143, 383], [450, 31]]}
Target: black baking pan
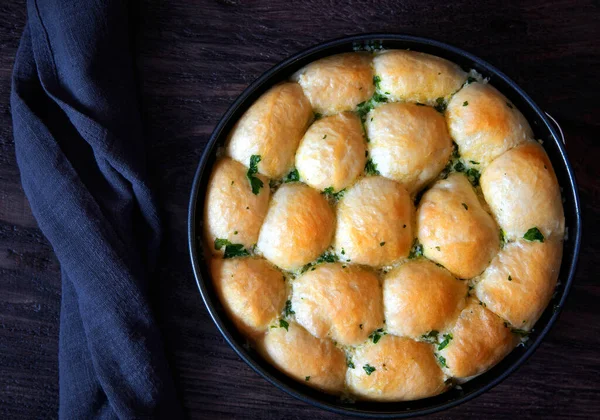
{"points": [[543, 129]]}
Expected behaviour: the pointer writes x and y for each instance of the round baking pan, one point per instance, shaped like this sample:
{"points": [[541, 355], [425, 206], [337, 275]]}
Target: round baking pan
{"points": [[543, 129]]}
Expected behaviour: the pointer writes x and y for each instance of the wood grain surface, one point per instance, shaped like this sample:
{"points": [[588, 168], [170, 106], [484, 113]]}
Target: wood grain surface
{"points": [[193, 59]]}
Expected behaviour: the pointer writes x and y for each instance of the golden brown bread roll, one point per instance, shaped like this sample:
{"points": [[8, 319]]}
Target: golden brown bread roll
{"points": [[332, 152], [484, 123], [272, 128], [310, 360], [338, 301], [523, 193], [419, 297], [394, 369], [409, 143], [251, 290], [480, 339], [231, 210], [519, 283], [298, 227], [337, 83], [374, 223], [454, 229], [417, 77]]}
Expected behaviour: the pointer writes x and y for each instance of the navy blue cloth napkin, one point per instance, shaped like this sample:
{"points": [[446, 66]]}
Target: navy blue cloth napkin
{"points": [[79, 147]]}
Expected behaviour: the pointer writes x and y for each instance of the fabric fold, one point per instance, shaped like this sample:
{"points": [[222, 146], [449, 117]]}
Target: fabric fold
{"points": [[79, 147]]}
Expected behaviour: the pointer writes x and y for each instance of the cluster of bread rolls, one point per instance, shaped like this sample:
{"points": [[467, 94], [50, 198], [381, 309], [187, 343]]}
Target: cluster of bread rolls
{"points": [[383, 225]]}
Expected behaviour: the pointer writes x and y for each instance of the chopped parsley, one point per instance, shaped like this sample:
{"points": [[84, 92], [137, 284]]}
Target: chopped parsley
{"points": [[473, 175], [343, 252], [284, 324], [371, 168], [360, 326], [459, 167], [509, 277], [438, 248], [350, 364], [442, 361], [502, 238], [430, 337], [288, 308], [474, 162], [327, 257], [325, 136], [534, 234], [416, 251], [440, 105], [376, 81], [235, 250], [465, 206], [292, 176], [376, 335], [330, 192], [465, 103], [369, 369], [307, 378], [381, 243], [255, 183], [220, 243], [471, 80], [455, 154], [445, 342], [318, 116]]}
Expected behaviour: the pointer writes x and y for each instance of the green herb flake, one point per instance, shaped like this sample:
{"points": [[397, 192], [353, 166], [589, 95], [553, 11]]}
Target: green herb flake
{"points": [[442, 361], [430, 337], [508, 104], [459, 167], [471, 80], [473, 175], [360, 326], [307, 378], [371, 168], [534, 234], [232, 182], [445, 342], [474, 162], [376, 81], [318, 116], [438, 248], [255, 183], [220, 243], [381, 243], [416, 251], [440, 105], [284, 324], [327, 257], [288, 308], [465, 206], [235, 232], [330, 192], [376, 335], [325, 136], [455, 153], [350, 364], [509, 277], [369, 369], [466, 103], [502, 238], [343, 252], [235, 250], [292, 176]]}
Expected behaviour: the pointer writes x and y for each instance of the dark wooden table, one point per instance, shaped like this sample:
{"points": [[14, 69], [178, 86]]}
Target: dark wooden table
{"points": [[193, 59]]}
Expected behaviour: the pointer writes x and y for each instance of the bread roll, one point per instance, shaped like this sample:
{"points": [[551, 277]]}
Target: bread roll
{"points": [[338, 301], [231, 210], [337, 83], [395, 369], [298, 227], [454, 229], [420, 297], [519, 283], [523, 193], [374, 223], [417, 77], [251, 290], [409, 143], [484, 123], [480, 339], [332, 152], [272, 128], [310, 360]]}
